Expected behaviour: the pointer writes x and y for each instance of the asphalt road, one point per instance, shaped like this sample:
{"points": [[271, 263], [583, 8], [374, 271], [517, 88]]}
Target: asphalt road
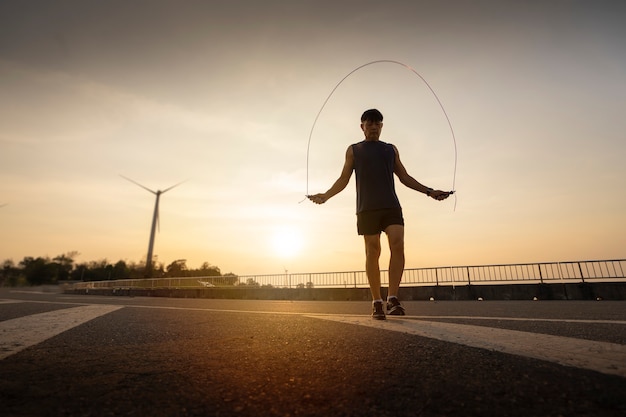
{"points": [[70, 355]]}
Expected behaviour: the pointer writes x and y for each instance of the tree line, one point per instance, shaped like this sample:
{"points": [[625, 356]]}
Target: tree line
{"points": [[61, 268]]}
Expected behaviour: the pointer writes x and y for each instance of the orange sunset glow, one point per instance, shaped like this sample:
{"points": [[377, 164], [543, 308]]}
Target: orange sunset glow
{"points": [[221, 96]]}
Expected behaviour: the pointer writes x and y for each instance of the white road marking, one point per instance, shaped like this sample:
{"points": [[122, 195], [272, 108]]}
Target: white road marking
{"points": [[20, 333], [10, 301], [29, 292], [294, 313], [297, 313], [525, 319], [608, 358]]}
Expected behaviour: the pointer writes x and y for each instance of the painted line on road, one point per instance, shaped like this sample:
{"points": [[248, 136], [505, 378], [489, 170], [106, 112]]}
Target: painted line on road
{"points": [[526, 319], [609, 358], [604, 357], [20, 333], [297, 313], [11, 301], [30, 292]]}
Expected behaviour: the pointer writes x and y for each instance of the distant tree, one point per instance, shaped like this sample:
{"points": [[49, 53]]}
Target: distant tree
{"points": [[158, 270], [136, 270], [43, 270], [64, 265], [95, 270], [78, 273], [250, 282], [208, 270], [230, 279], [120, 270], [39, 271], [178, 268], [104, 270], [11, 275]]}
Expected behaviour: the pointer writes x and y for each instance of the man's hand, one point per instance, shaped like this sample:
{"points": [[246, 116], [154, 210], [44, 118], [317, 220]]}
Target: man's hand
{"points": [[318, 198], [440, 195]]}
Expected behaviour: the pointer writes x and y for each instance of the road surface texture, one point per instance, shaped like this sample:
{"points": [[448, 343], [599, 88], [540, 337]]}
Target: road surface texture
{"points": [[72, 355]]}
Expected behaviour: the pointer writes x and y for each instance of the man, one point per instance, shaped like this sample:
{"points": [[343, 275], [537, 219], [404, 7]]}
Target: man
{"points": [[378, 208]]}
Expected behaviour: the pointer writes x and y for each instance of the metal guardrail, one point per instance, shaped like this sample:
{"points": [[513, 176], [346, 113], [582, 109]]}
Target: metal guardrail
{"points": [[547, 272]]}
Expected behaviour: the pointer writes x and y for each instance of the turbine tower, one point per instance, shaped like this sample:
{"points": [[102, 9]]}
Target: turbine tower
{"points": [[155, 220]]}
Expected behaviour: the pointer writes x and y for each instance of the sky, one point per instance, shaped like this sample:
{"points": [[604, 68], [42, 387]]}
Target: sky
{"points": [[221, 97]]}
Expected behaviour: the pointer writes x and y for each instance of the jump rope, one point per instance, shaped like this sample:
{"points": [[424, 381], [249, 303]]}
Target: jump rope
{"points": [[453, 189]]}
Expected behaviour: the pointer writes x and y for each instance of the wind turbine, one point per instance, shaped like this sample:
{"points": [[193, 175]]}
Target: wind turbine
{"points": [[155, 220]]}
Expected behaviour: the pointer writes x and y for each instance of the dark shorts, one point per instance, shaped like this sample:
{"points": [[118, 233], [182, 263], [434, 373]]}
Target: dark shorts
{"points": [[373, 222]]}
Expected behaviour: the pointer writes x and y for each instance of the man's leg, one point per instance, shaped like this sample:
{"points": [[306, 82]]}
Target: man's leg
{"points": [[395, 235], [372, 269]]}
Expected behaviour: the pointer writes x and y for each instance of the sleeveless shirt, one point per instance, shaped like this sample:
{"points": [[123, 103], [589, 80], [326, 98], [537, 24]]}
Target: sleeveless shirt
{"points": [[374, 165]]}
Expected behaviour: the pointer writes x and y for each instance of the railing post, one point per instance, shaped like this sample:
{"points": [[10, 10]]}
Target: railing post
{"points": [[581, 272]]}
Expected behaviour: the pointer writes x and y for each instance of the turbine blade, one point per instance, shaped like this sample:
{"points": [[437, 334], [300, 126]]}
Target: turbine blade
{"points": [[173, 186], [136, 183]]}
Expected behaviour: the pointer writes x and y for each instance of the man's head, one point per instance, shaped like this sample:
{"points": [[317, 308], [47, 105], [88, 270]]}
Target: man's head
{"points": [[372, 124], [372, 115]]}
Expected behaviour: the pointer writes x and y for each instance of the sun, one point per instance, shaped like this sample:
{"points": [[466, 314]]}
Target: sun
{"points": [[286, 242]]}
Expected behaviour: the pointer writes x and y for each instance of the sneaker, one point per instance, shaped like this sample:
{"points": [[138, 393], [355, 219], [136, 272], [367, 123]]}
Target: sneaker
{"points": [[394, 307], [378, 312]]}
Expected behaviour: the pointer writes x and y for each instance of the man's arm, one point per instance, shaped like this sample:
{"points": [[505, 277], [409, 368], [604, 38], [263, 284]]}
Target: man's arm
{"points": [[340, 184], [412, 183]]}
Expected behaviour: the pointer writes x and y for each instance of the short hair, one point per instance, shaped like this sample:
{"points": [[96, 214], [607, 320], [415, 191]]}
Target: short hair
{"points": [[372, 115]]}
